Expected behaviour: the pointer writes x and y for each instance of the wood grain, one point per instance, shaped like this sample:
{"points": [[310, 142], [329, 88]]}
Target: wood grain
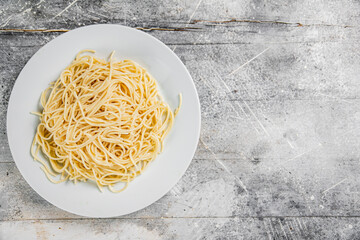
{"points": [[279, 89]]}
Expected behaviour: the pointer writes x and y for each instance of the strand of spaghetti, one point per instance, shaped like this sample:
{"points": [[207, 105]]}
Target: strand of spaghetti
{"points": [[178, 108]]}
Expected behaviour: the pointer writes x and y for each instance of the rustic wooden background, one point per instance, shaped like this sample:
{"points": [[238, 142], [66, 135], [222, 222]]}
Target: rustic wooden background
{"points": [[279, 88]]}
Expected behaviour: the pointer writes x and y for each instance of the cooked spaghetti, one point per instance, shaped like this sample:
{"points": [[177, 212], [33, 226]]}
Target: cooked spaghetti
{"points": [[103, 121]]}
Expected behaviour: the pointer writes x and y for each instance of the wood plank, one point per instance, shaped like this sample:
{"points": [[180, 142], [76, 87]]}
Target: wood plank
{"points": [[193, 22], [175, 228], [71, 14], [222, 188]]}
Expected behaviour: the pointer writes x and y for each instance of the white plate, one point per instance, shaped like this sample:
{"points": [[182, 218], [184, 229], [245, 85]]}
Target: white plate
{"points": [[173, 78]]}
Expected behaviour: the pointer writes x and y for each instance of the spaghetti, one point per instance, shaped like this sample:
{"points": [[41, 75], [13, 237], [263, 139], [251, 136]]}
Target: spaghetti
{"points": [[103, 121]]}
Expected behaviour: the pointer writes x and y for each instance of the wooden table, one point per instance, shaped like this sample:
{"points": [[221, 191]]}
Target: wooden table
{"points": [[279, 85]]}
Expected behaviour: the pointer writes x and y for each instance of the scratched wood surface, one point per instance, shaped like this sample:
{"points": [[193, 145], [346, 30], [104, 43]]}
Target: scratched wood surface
{"points": [[279, 88]]}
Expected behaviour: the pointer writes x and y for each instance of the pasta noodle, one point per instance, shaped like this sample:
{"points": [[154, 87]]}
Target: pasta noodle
{"points": [[103, 121]]}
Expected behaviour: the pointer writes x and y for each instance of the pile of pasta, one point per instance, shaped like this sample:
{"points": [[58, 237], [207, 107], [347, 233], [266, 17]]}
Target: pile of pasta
{"points": [[103, 121]]}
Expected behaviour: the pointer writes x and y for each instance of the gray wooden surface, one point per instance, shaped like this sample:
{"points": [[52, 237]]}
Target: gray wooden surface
{"points": [[279, 88]]}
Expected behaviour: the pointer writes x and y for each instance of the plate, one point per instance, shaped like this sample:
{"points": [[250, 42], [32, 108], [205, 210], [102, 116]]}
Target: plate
{"points": [[173, 78]]}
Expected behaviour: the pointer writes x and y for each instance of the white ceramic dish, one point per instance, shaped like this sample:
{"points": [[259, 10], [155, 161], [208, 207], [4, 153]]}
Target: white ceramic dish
{"points": [[173, 78]]}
